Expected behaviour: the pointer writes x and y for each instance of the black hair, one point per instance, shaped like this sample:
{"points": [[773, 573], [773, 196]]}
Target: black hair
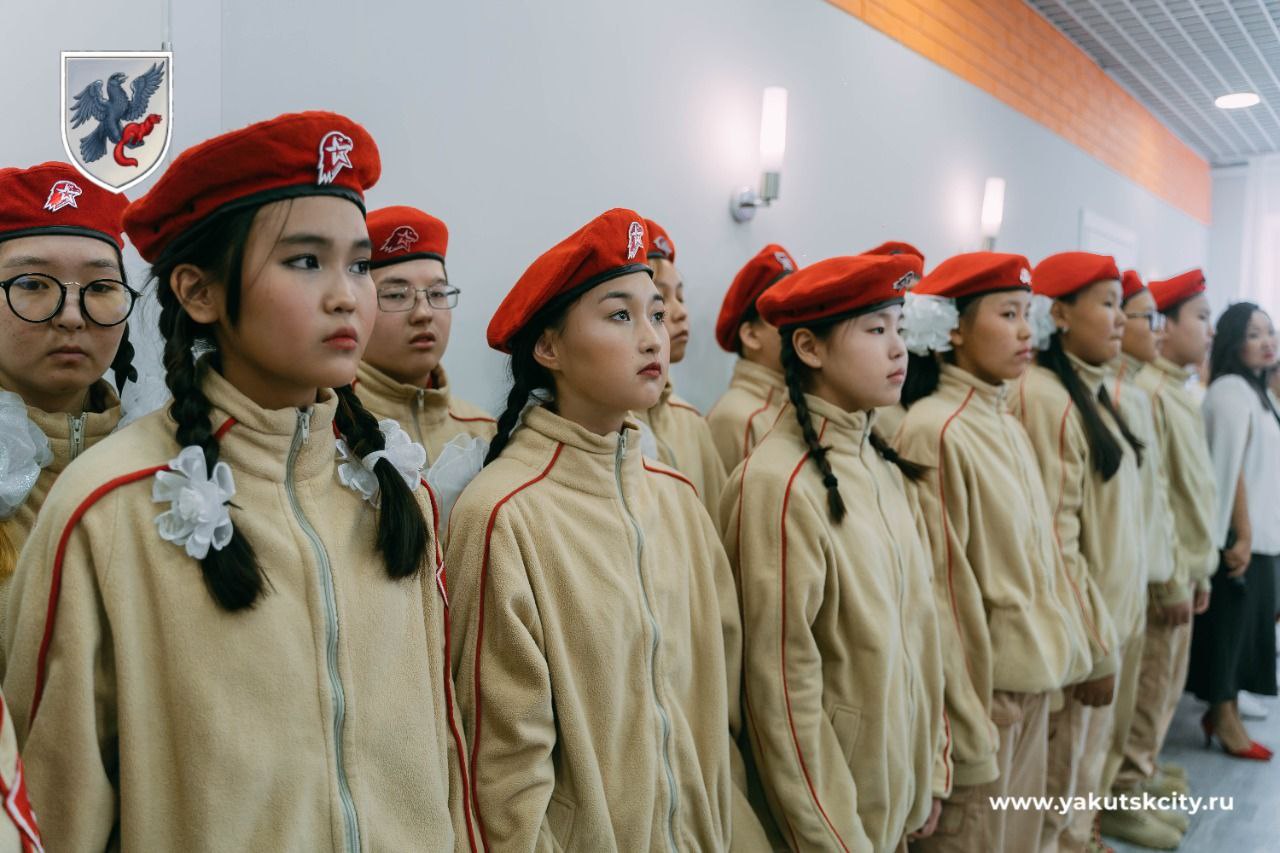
{"points": [[749, 316], [1228, 340], [527, 375], [122, 363], [1174, 311], [1105, 452], [924, 372], [232, 574], [797, 375]]}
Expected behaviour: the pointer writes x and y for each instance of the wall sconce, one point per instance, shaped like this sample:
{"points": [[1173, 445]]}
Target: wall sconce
{"points": [[773, 144], [992, 212]]}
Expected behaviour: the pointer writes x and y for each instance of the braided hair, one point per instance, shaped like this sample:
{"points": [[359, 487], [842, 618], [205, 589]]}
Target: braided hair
{"points": [[122, 363], [527, 375], [1104, 450], [232, 574], [797, 375]]}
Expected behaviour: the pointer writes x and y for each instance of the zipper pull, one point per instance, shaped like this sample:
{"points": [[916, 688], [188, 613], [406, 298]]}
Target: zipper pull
{"points": [[77, 433], [304, 423], [422, 399]]}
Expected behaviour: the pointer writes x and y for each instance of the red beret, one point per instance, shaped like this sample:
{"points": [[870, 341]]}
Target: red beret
{"points": [[405, 234], [297, 154], [1132, 284], [839, 286], [760, 273], [660, 245], [1180, 288], [52, 198], [893, 247], [611, 245], [975, 273], [1066, 272]]}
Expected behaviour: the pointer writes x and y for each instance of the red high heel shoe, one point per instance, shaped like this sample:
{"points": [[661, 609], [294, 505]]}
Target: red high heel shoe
{"points": [[1255, 752]]}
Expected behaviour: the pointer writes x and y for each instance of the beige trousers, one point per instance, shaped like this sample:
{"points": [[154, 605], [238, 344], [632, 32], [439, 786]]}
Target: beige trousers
{"points": [[968, 823], [1160, 682], [1125, 704], [1080, 743]]}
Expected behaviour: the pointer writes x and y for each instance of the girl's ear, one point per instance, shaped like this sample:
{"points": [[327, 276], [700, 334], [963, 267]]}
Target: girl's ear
{"points": [[547, 350], [809, 348], [1060, 314], [199, 298], [749, 336]]}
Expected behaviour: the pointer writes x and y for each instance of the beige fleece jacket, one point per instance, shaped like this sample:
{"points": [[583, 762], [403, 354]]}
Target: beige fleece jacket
{"points": [[1137, 406], [1180, 428], [746, 411], [842, 667], [69, 436], [685, 443], [1094, 520], [432, 416], [150, 719], [596, 647], [998, 576]]}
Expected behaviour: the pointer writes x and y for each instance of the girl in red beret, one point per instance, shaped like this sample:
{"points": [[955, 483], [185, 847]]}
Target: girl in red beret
{"points": [[1001, 585], [1135, 388], [401, 376], [683, 437], [843, 669], [61, 329], [746, 411], [596, 626], [230, 627], [1089, 461]]}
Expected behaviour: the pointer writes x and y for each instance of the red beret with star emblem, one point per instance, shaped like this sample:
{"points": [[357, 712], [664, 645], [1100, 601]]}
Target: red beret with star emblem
{"points": [[660, 245], [290, 156], [1180, 288], [403, 233], [839, 286], [975, 273], [1131, 284], [611, 245], [896, 247], [53, 198], [760, 273]]}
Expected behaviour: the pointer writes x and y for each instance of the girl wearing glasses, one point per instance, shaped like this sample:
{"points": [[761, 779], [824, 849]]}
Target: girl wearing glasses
{"points": [[229, 621], [401, 376], [61, 329]]}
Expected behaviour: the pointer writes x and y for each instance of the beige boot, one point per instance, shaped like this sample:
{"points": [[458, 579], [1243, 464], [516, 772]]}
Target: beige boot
{"points": [[1141, 828], [1171, 769], [1178, 820], [1166, 785]]}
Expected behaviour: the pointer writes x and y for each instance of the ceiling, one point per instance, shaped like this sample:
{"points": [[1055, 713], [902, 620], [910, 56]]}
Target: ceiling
{"points": [[1176, 56]]}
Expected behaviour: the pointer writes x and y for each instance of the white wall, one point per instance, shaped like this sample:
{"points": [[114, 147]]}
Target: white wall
{"points": [[518, 120], [1224, 269]]}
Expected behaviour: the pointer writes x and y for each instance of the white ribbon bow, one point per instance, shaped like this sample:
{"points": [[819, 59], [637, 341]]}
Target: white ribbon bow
{"points": [[197, 518], [24, 450], [927, 322], [1042, 324], [406, 455]]}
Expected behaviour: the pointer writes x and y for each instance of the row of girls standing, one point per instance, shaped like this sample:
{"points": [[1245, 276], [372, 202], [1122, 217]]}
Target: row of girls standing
{"points": [[232, 623]]}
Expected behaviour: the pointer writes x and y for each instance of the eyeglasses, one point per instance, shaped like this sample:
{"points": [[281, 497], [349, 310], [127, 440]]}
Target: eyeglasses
{"points": [[1154, 319], [399, 298], [36, 297]]}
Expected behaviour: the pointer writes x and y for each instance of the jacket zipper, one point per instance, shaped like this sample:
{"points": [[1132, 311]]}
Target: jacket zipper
{"points": [[663, 717], [349, 819], [415, 417], [902, 580], [77, 433]]}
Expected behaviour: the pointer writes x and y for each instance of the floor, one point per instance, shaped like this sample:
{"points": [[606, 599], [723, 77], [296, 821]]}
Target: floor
{"points": [[1254, 823]]}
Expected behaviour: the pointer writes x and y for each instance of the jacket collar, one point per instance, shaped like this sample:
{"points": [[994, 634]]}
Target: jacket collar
{"points": [[588, 461], [1092, 376], [757, 379], [841, 431], [261, 441], [956, 380], [1180, 375], [99, 420], [431, 404]]}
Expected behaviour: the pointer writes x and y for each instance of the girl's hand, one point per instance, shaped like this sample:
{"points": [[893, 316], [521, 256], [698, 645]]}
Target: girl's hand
{"points": [[1237, 557], [1202, 602], [930, 825], [1096, 693]]}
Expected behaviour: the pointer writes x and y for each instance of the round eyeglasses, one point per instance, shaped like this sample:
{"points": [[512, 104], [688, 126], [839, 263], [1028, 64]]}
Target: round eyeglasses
{"points": [[36, 297], [397, 298]]}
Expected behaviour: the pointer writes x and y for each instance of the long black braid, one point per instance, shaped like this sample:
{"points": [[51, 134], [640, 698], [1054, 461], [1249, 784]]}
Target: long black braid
{"points": [[1104, 450], [527, 376], [232, 574], [794, 371], [122, 364]]}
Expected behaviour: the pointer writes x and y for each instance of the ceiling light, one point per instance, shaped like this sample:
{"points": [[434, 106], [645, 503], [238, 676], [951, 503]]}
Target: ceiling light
{"points": [[1236, 100]]}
